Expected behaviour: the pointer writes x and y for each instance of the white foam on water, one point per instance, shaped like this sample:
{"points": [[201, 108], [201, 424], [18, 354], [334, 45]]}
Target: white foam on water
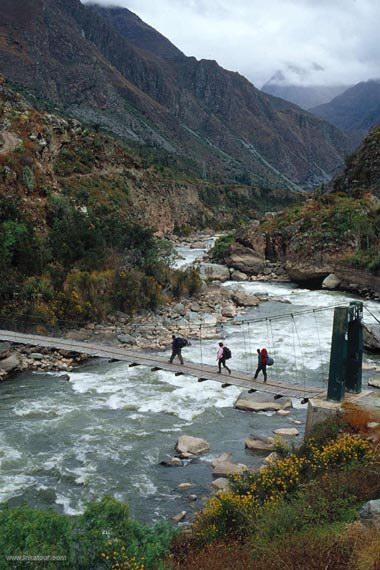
{"points": [[144, 485], [66, 504]]}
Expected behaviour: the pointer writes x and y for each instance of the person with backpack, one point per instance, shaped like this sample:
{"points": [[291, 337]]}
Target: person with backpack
{"points": [[178, 344], [223, 354], [262, 361]]}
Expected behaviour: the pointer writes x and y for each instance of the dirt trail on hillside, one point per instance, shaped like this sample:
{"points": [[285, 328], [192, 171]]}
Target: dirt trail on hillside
{"points": [[8, 142]]}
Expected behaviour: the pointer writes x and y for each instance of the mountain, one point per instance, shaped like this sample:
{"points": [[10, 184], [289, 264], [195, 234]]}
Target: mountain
{"points": [[356, 110], [333, 232], [108, 69], [362, 171], [306, 96]]}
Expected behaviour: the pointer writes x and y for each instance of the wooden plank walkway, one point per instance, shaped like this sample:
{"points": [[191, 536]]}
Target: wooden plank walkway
{"points": [[155, 362]]}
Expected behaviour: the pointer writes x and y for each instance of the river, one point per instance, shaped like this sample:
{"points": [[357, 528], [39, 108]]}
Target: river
{"points": [[106, 431]]}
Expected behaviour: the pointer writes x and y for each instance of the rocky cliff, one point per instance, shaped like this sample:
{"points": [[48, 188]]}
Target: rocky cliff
{"points": [[100, 67], [333, 232]]}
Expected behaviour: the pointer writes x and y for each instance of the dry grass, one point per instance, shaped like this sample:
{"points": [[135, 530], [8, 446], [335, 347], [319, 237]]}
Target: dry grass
{"points": [[356, 548]]}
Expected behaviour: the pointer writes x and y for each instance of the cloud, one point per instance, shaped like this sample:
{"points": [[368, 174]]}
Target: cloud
{"points": [[312, 41]]}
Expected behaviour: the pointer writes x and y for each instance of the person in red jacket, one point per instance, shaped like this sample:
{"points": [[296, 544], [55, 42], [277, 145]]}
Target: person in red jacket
{"points": [[262, 361]]}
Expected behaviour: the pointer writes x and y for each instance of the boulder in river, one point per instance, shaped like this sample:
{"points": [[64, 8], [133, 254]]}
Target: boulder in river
{"points": [[259, 402], [11, 363], [256, 443], [223, 466], [193, 445], [178, 518], [221, 484], [286, 431], [4, 349], [239, 276], [244, 259], [331, 282], [214, 272], [371, 337], [374, 382], [243, 299], [229, 311]]}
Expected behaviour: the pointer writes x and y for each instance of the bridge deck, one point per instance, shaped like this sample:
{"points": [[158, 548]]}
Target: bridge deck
{"points": [[200, 371]]}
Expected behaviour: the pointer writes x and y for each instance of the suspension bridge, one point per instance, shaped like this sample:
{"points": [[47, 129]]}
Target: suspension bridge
{"points": [[344, 371]]}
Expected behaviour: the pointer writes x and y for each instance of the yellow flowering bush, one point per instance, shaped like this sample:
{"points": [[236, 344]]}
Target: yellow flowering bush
{"points": [[117, 558], [234, 511]]}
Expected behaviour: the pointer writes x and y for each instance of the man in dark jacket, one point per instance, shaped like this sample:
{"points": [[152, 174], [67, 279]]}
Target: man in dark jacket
{"points": [[262, 360], [177, 345]]}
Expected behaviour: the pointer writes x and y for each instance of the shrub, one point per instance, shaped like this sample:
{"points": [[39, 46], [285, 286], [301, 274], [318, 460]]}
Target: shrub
{"points": [[103, 537], [221, 246]]}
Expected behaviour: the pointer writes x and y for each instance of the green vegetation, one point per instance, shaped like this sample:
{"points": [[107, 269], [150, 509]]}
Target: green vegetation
{"points": [[103, 537], [302, 508], [90, 260], [330, 221], [221, 246]]}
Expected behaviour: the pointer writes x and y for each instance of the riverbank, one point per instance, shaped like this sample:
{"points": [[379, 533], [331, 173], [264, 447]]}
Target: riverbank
{"points": [[109, 429]]}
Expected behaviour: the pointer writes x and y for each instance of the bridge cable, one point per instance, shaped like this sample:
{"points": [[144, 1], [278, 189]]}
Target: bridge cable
{"points": [[324, 378], [372, 315], [300, 347]]}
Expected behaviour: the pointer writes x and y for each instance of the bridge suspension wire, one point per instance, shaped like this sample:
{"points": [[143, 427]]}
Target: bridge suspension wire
{"points": [[324, 378], [371, 313], [299, 344]]}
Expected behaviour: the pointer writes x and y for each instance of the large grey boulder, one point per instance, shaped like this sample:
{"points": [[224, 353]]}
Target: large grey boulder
{"points": [[188, 444], [371, 337], [11, 363], [259, 402], [243, 299], [370, 513], [374, 382], [257, 443], [223, 466], [214, 272], [331, 282], [245, 259], [4, 349], [239, 276]]}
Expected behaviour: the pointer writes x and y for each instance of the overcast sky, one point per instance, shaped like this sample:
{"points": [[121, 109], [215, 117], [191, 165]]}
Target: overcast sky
{"points": [[313, 41]]}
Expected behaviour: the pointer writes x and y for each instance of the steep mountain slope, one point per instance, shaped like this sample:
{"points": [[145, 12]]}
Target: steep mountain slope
{"points": [[336, 232], [356, 110], [75, 57], [78, 210], [306, 96]]}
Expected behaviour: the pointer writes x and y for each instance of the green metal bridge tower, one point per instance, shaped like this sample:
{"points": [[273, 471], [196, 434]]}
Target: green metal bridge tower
{"points": [[346, 358]]}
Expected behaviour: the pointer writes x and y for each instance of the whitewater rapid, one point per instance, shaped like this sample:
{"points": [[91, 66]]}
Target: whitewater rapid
{"points": [[106, 431]]}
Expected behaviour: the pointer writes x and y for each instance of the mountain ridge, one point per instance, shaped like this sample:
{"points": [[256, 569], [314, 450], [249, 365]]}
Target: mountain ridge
{"points": [[70, 54]]}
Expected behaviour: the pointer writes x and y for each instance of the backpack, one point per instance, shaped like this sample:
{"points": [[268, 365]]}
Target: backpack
{"points": [[227, 353], [181, 342], [270, 361]]}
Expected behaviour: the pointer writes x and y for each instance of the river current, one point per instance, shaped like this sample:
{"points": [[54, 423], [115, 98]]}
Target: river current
{"points": [[106, 431]]}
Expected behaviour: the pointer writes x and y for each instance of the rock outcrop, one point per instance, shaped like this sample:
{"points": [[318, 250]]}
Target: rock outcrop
{"points": [[188, 444], [371, 337], [259, 402]]}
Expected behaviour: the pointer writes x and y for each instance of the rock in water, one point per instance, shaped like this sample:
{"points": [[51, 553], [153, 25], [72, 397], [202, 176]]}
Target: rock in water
{"points": [[221, 484], [331, 282], [258, 402], [224, 468], [10, 364], [239, 276], [194, 445], [374, 382], [286, 431], [243, 299], [371, 337], [255, 443], [178, 518]]}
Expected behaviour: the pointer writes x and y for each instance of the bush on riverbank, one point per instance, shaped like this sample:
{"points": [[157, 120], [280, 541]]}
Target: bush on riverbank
{"points": [[301, 509], [103, 537], [89, 262]]}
